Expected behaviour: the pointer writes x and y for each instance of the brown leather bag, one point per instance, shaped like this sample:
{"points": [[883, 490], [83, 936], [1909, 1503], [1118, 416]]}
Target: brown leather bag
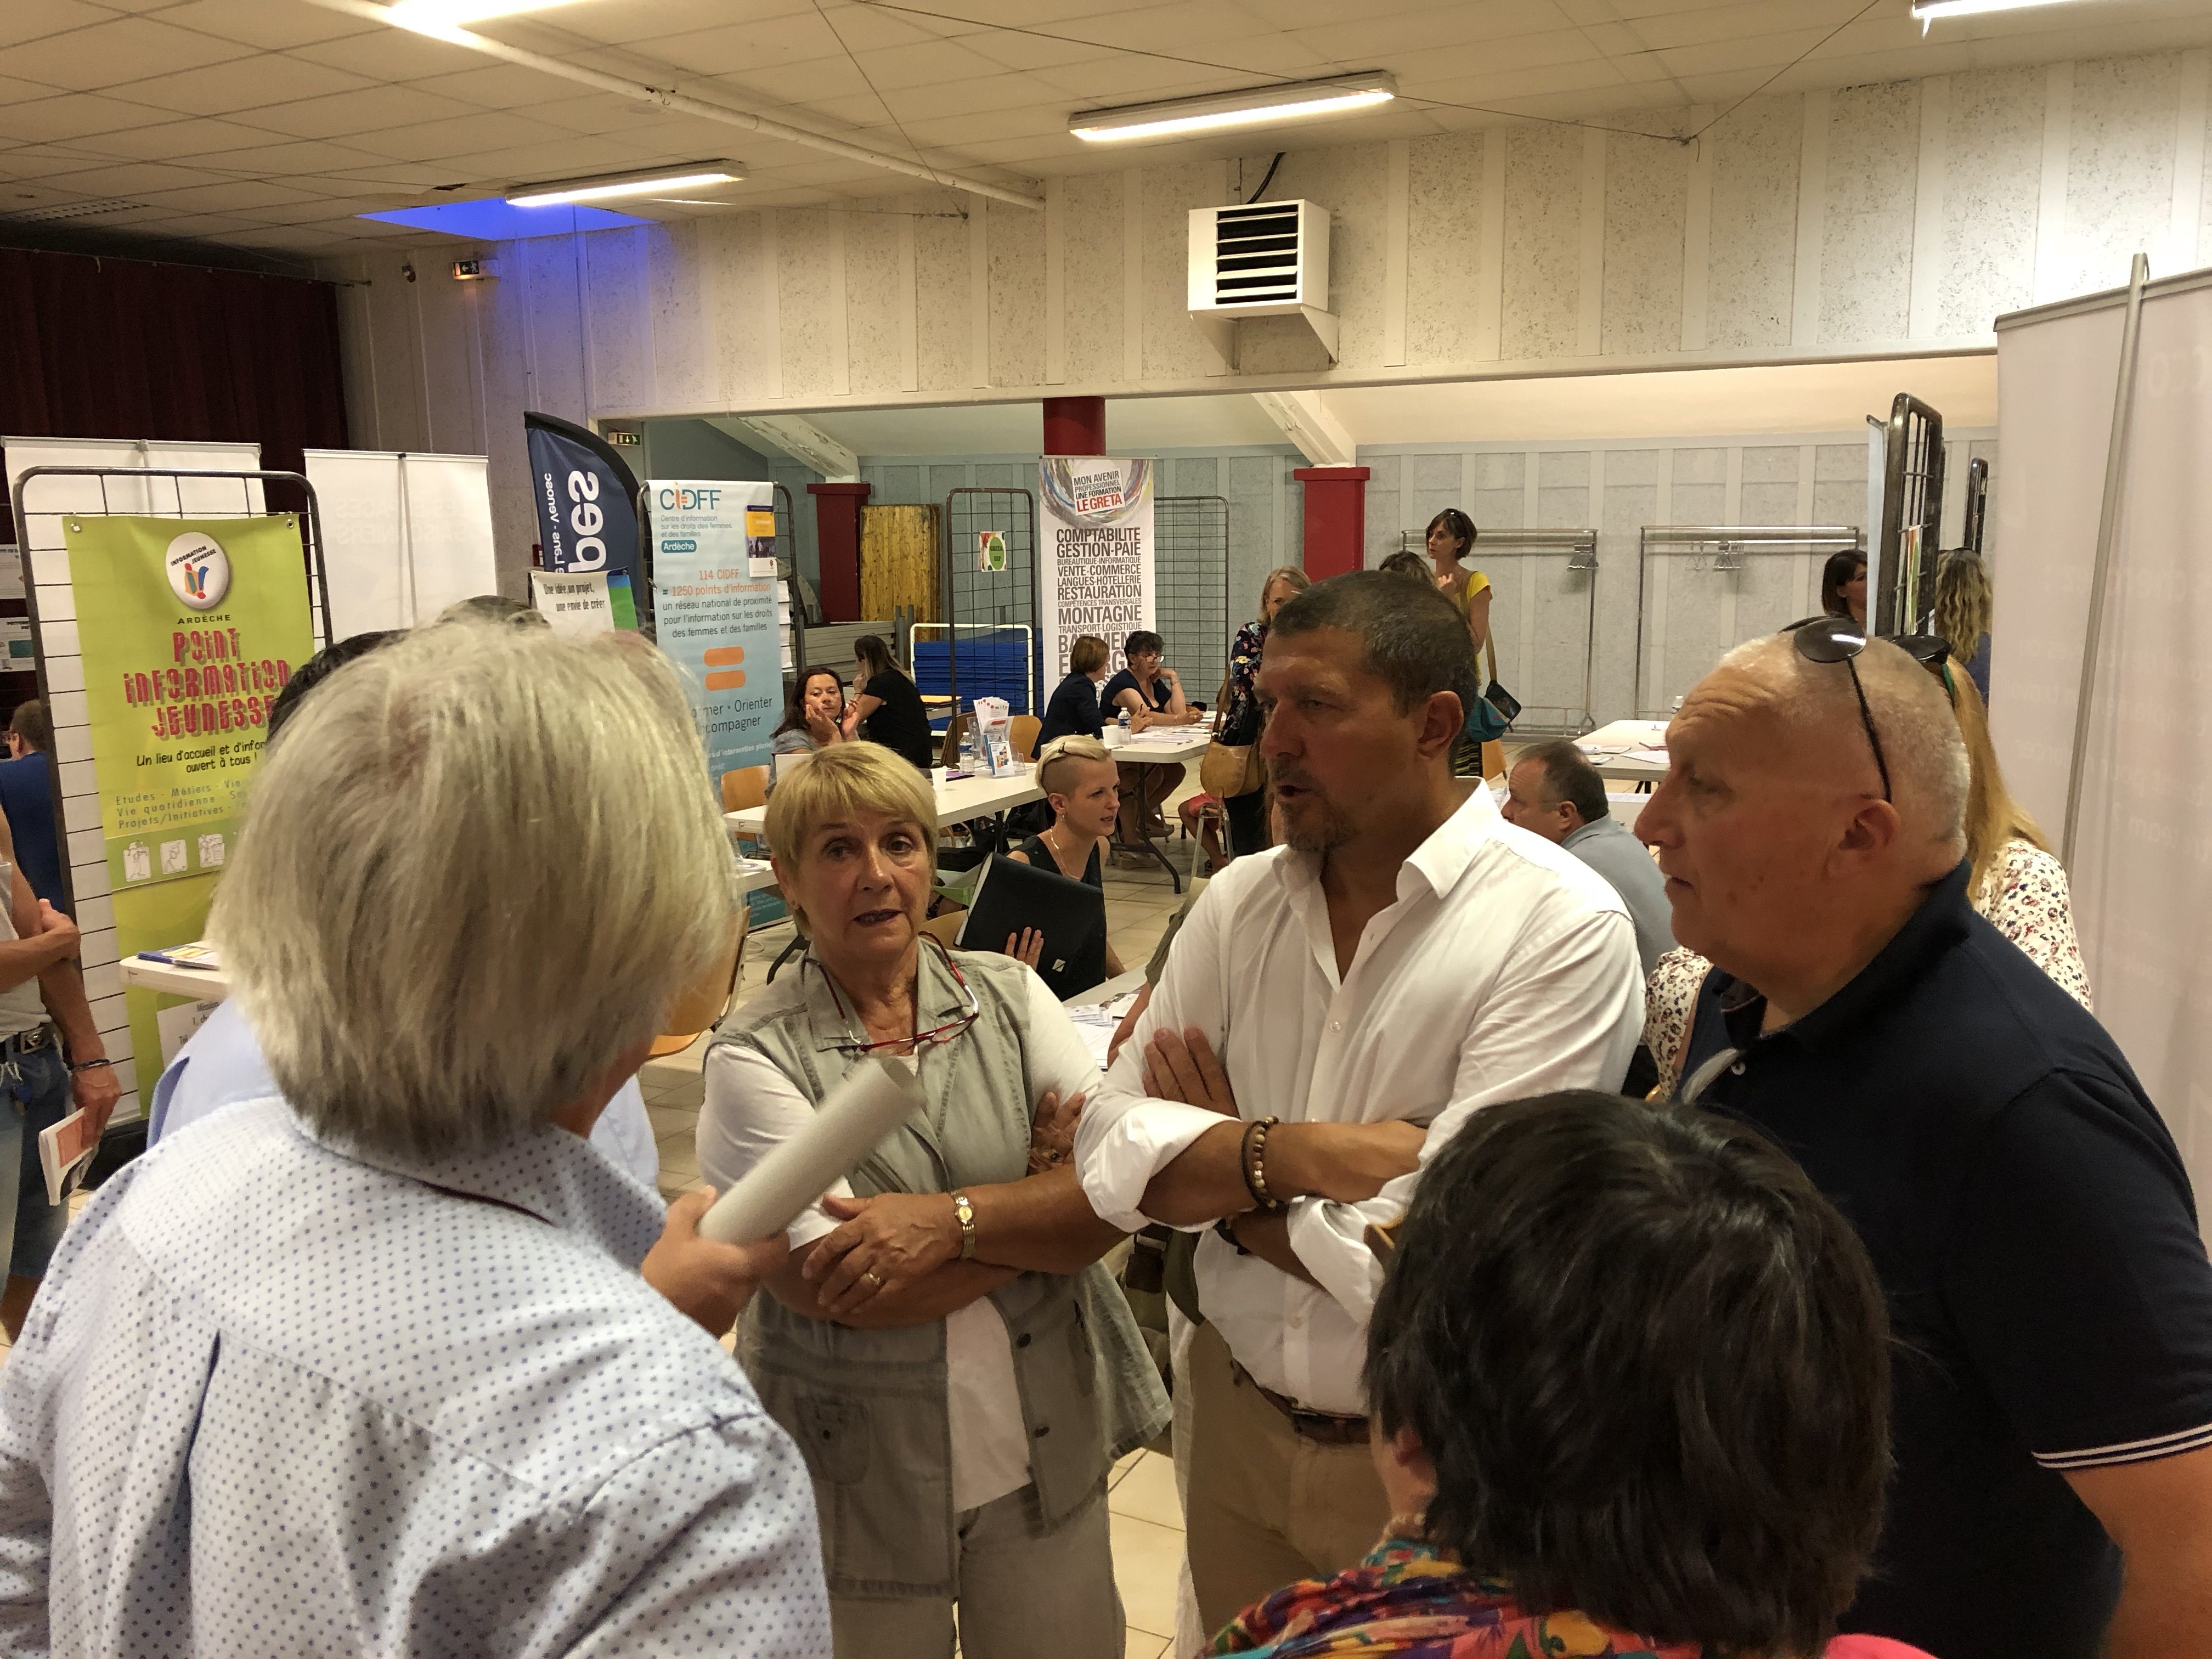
{"points": [[1231, 769]]}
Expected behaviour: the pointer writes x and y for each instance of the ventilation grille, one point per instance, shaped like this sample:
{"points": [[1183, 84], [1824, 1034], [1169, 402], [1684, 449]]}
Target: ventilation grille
{"points": [[1255, 254], [1259, 259], [46, 216]]}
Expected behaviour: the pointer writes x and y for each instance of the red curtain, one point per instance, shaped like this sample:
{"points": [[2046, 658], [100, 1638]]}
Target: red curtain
{"points": [[92, 347]]}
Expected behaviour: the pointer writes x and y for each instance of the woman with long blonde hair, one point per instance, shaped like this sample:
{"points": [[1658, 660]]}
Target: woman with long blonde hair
{"points": [[1961, 616]]}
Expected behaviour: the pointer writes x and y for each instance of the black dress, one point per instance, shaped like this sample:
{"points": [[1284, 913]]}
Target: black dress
{"points": [[1039, 854], [901, 724]]}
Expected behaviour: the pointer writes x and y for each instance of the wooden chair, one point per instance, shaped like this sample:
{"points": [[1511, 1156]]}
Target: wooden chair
{"points": [[1023, 730], [744, 786], [946, 929], [702, 1005]]}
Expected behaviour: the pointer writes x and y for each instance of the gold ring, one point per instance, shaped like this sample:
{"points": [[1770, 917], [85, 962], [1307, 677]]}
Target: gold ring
{"points": [[875, 1278]]}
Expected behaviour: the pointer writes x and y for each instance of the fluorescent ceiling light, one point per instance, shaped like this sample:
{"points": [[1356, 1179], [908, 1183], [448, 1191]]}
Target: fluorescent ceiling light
{"points": [[440, 18], [1928, 10], [1297, 101], [686, 175]]}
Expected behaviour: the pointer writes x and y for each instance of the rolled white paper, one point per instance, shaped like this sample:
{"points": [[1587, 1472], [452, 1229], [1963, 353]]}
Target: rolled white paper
{"points": [[875, 1096]]}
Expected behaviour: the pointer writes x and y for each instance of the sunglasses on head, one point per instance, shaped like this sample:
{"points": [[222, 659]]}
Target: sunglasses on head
{"points": [[1838, 639]]}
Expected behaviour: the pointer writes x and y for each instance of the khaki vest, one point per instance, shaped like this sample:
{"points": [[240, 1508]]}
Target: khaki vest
{"points": [[867, 1408]]}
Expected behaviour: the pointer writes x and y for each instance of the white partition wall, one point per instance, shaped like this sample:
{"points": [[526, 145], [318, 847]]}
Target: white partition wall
{"points": [[2142, 863], [404, 535], [46, 563]]}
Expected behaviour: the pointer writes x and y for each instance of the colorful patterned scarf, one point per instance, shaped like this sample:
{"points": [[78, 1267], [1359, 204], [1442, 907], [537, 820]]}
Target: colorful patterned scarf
{"points": [[1409, 1598]]}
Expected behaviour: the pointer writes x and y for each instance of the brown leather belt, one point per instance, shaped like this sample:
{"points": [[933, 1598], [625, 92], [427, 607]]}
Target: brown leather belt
{"points": [[1319, 1427]]}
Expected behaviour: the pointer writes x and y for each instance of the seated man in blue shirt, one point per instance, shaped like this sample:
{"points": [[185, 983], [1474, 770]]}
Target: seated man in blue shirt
{"points": [[369, 1366], [2024, 1204]]}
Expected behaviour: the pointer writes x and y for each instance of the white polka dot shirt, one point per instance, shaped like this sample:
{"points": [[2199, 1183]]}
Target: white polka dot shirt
{"points": [[275, 1398]]}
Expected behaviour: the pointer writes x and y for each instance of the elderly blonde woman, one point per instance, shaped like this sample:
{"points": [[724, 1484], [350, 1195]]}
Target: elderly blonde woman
{"points": [[958, 1369], [367, 1365]]}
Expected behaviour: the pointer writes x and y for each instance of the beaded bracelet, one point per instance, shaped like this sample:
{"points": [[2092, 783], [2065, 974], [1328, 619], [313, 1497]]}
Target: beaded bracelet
{"points": [[1253, 1160]]}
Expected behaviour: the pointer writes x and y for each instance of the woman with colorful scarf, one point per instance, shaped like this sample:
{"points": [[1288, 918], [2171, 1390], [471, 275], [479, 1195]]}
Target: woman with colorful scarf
{"points": [[1630, 1385]]}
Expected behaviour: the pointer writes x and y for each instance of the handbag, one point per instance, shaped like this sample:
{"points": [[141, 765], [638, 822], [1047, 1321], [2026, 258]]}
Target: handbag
{"points": [[1231, 769], [1496, 709]]}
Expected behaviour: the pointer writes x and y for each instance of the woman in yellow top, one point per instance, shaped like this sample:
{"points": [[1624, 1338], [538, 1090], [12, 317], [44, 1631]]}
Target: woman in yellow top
{"points": [[1451, 539]]}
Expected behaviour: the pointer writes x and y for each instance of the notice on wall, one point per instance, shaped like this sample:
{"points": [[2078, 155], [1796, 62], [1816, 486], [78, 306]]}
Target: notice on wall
{"points": [[189, 629], [716, 618], [1096, 574], [574, 602]]}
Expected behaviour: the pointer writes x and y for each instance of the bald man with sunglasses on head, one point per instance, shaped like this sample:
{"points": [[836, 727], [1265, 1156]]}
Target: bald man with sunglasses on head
{"points": [[2024, 1204]]}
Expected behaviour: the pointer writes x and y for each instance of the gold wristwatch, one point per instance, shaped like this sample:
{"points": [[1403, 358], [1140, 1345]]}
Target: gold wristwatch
{"points": [[964, 1213]]}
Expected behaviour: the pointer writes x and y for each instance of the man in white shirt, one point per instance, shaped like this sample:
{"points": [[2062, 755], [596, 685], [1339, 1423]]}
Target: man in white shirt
{"points": [[1407, 958]]}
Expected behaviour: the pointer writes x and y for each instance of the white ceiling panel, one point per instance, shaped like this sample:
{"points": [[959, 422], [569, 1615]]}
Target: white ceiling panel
{"points": [[286, 118], [108, 54], [364, 109], [172, 140], [29, 20], [64, 117], [241, 86]]}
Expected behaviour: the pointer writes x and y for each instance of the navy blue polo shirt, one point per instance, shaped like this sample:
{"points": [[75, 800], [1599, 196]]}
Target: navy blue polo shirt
{"points": [[2032, 1224]]}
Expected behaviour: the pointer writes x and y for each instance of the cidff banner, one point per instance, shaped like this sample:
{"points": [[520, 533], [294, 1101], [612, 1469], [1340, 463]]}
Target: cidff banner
{"points": [[1095, 576], [713, 600], [189, 629], [586, 506]]}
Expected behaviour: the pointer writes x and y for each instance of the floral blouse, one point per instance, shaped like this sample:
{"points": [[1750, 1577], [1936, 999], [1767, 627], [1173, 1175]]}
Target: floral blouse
{"points": [[2023, 895], [1243, 672]]}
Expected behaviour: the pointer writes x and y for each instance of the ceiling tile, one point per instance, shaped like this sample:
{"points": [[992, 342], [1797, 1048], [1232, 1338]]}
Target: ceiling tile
{"points": [[243, 84], [282, 161], [492, 86], [112, 53], [740, 46], [167, 140], [38, 18], [58, 120], [463, 135], [389, 54], [236, 196], [807, 83], [935, 63], [265, 23], [364, 109], [132, 178]]}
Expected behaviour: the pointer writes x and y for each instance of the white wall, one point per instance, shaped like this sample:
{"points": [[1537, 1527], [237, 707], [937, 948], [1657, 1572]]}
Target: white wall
{"points": [[1870, 220]]}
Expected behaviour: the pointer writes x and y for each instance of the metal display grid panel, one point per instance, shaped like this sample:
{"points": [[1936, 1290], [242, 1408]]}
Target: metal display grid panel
{"points": [[991, 615], [1724, 548], [1977, 527], [1190, 590], [1911, 497], [1577, 550], [41, 505]]}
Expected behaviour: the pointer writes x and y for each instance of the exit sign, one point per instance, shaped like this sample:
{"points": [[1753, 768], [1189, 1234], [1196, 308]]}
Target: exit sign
{"points": [[623, 438]]}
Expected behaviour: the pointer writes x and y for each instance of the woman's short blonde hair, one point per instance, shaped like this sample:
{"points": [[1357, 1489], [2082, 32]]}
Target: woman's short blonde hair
{"points": [[1297, 579], [481, 866], [839, 780], [1063, 755]]}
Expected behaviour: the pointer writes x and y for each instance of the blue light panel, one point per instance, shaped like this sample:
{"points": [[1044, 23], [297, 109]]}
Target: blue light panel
{"points": [[494, 220]]}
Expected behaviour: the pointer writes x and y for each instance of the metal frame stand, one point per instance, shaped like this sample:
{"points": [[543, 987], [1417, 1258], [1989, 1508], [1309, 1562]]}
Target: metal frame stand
{"points": [[33, 547], [1911, 498], [1581, 548], [968, 597], [1731, 544]]}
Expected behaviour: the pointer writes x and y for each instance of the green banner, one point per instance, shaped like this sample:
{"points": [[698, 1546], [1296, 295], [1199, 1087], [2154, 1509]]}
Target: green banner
{"points": [[188, 629]]}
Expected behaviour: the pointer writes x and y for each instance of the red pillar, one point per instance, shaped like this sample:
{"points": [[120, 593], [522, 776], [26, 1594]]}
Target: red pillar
{"points": [[1336, 519], [837, 537], [1075, 426]]}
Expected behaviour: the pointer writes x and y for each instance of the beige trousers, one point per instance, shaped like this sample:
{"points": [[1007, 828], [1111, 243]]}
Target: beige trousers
{"points": [[1267, 1507]]}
